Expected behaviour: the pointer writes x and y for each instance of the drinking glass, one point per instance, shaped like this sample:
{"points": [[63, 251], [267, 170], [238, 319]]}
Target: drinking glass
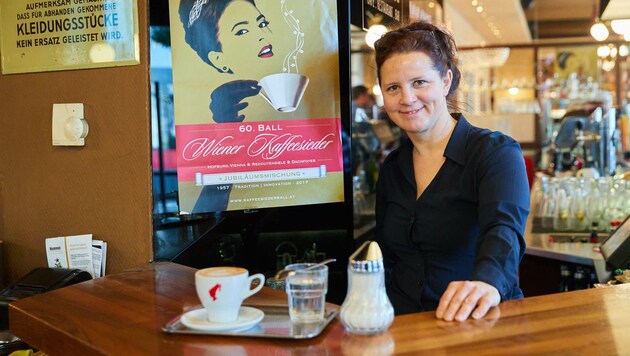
{"points": [[306, 290]]}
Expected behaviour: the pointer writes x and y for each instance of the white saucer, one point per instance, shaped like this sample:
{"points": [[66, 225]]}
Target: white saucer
{"points": [[197, 320]]}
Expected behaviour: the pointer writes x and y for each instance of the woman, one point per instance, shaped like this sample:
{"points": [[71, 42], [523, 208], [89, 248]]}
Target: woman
{"points": [[230, 36], [452, 200]]}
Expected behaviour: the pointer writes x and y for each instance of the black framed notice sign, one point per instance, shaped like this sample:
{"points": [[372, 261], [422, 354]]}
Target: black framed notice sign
{"points": [[390, 13]]}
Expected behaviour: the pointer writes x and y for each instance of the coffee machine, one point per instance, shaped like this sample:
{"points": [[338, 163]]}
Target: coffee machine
{"points": [[586, 141]]}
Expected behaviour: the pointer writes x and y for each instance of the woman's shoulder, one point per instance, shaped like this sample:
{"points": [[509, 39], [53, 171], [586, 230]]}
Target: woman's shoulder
{"points": [[486, 139], [480, 146]]}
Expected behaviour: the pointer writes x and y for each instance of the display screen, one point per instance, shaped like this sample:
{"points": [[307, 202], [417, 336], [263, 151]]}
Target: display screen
{"points": [[616, 239]]}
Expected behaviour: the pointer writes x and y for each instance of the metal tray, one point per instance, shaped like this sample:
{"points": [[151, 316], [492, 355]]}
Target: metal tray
{"points": [[275, 324]]}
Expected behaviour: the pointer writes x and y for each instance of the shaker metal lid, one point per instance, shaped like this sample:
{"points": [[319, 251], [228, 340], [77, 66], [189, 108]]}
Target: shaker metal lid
{"points": [[367, 258]]}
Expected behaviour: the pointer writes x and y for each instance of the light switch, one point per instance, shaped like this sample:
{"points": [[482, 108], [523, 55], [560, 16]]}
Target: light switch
{"points": [[69, 127]]}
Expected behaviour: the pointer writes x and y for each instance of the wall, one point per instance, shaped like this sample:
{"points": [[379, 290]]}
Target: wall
{"points": [[103, 188]]}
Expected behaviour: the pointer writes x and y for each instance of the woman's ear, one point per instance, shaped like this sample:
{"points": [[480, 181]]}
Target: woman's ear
{"points": [[447, 80], [217, 60]]}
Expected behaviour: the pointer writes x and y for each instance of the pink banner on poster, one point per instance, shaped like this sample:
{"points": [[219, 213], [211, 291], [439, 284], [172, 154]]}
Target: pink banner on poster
{"points": [[259, 146]]}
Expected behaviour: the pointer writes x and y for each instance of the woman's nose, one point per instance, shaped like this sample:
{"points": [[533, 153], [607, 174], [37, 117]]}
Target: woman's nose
{"points": [[407, 96]]}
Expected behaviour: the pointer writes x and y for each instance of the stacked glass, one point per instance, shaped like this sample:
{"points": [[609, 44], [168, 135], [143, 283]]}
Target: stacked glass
{"points": [[581, 204]]}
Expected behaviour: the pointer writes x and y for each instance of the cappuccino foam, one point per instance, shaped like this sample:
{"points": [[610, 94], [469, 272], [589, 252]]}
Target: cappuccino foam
{"points": [[221, 271]]}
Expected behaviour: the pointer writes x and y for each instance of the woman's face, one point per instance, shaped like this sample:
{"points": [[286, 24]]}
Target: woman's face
{"points": [[243, 34], [414, 93]]}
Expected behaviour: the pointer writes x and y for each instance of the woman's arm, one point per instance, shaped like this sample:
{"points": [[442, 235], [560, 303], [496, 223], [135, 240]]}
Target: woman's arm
{"points": [[503, 209]]}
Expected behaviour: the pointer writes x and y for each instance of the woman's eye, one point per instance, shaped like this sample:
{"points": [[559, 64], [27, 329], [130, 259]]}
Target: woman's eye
{"points": [[392, 88], [241, 32], [263, 24], [418, 83]]}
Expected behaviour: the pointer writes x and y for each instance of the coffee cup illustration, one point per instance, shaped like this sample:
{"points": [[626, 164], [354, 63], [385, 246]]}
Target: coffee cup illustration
{"points": [[283, 91]]}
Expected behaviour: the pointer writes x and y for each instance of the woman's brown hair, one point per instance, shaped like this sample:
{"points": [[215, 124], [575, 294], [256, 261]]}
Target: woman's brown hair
{"points": [[424, 37]]}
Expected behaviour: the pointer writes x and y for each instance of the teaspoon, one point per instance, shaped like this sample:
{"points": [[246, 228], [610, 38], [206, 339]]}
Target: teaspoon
{"points": [[284, 273]]}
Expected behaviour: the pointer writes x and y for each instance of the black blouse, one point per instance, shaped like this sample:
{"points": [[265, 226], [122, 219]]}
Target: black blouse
{"points": [[467, 225]]}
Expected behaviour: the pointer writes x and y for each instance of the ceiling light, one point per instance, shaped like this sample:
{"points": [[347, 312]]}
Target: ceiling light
{"points": [[608, 65], [603, 51], [623, 51], [480, 9], [376, 90], [513, 90], [374, 33], [621, 27], [599, 31], [484, 58], [474, 2]]}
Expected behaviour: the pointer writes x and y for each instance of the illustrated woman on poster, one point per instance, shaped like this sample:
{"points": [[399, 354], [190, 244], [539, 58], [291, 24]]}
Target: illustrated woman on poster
{"points": [[230, 36]]}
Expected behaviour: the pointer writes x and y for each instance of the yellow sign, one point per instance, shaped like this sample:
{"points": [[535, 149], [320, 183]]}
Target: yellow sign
{"points": [[49, 35]]}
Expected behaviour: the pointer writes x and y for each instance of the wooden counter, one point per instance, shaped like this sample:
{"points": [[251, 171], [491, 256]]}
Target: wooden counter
{"points": [[121, 314]]}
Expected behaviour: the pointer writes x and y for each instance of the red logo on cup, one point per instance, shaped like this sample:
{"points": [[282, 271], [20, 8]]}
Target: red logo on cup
{"points": [[214, 290]]}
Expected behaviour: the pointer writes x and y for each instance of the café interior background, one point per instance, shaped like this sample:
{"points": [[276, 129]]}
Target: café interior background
{"points": [[121, 186]]}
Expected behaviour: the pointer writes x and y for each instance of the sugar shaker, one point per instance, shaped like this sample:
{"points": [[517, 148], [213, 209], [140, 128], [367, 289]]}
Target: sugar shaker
{"points": [[366, 309]]}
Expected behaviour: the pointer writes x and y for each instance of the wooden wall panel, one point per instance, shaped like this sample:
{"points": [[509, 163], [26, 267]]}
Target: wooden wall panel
{"points": [[103, 188]]}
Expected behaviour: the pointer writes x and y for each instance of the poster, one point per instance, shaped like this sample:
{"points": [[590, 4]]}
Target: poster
{"points": [[581, 60], [257, 103], [49, 35]]}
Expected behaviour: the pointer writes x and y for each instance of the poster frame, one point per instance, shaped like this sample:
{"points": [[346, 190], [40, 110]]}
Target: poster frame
{"points": [[330, 216]]}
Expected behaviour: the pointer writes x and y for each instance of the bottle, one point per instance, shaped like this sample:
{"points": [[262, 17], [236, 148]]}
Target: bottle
{"points": [[359, 204], [372, 174], [366, 309], [594, 238], [592, 277], [580, 279], [549, 206], [565, 278], [577, 220], [561, 219]]}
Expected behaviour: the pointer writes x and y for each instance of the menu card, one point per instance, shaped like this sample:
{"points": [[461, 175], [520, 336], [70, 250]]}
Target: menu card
{"points": [[78, 251]]}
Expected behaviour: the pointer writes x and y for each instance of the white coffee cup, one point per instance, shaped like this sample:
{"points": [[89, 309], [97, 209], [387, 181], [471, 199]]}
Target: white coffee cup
{"points": [[223, 289], [284, 91]]}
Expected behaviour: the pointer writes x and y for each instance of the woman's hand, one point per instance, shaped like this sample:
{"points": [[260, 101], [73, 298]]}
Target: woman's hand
{"points": [[462, 298], [225, 101]]}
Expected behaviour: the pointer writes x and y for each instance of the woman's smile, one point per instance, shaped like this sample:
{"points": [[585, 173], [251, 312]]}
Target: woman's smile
{"points": [[410, 112], [245, 36], [266, 52]]}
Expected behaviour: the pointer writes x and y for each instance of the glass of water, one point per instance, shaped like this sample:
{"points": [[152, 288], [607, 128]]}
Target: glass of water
{"points": [[306, 290]]}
